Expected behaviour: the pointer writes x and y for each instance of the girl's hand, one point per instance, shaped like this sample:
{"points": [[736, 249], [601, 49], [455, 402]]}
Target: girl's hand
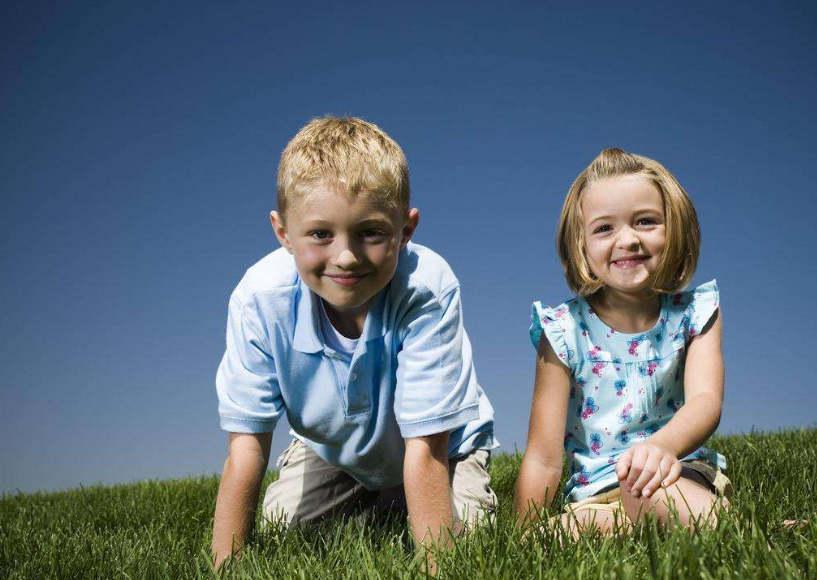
{"points": [[644, 468]]}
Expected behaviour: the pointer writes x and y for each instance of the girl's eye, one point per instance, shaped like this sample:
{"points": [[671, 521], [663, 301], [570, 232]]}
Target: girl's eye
{"points": [[321, 235], [602, 229], [646, 222]]}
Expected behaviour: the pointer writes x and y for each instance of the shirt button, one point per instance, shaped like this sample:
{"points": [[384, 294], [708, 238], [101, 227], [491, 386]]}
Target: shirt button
{"points": [[353, 377]]}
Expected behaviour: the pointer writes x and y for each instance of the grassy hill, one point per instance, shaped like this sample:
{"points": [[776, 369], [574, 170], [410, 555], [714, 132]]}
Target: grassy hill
{"points": [[161, 529]]}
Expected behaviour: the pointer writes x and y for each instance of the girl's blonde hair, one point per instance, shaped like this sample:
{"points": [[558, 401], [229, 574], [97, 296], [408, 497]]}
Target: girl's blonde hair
{"points": [[683, 235]]}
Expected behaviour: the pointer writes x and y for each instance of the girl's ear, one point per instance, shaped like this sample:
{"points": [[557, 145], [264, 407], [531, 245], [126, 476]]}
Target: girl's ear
{"points": [[412, 221], [280, 230]]}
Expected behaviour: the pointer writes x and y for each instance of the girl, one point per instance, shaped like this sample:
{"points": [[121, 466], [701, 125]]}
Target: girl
{"points": [[629, 375]]}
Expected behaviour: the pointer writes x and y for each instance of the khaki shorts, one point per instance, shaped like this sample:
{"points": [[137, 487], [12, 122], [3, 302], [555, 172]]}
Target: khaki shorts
{"points": [[697, 471], [309, 489]]}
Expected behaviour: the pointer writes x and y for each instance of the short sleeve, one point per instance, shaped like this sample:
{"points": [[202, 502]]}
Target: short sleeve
{"points": [[249, 399], [703, 304], [551, 322], [437, 389]]}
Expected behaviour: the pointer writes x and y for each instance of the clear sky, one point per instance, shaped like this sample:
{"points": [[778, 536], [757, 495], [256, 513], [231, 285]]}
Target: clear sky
{"points": [[140, 143]]}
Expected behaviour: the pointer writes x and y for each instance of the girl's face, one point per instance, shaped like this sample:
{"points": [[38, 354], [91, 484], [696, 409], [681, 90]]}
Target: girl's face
{"points": [[624, 231]]}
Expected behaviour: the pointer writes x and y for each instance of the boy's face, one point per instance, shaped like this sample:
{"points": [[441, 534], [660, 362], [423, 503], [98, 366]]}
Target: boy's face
{"points": [[345, 247]]}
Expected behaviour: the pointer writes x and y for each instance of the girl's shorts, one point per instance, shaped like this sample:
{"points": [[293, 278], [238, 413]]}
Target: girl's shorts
{"points": [[702, 473]]}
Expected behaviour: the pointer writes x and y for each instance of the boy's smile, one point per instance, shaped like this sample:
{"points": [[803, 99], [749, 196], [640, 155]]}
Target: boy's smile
{"points": [[345, 248]]}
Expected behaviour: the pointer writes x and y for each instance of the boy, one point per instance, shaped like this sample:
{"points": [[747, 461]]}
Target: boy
{"points": [[356, 334]]}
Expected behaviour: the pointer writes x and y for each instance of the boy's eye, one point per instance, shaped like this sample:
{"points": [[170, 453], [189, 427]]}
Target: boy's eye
{"points": [[373, 233], [320, 234]]}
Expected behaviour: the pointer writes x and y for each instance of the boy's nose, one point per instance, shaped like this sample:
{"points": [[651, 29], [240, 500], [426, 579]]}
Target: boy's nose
{"points": [[347, 259]]}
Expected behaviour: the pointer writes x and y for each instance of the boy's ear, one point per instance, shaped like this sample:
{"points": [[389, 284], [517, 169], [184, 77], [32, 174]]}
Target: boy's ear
{"points": [[410, 226], [280, 231]]}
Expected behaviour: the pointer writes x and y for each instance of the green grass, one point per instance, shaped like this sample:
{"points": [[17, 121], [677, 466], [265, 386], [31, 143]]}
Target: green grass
{"points": [[161, 529]]}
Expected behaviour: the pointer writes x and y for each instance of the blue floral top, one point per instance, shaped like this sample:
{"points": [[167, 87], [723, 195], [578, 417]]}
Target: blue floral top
{"points": [[623, 387]]}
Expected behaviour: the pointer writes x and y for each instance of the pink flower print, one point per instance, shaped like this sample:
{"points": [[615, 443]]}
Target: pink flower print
{"points": [[595, 443], [626, 415], [583, 477], [598, 368], [620, 385], [593, 353], [590, 407], [632, 346], [651, 368]]}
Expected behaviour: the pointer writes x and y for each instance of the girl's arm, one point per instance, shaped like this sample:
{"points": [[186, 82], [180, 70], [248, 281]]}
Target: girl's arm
{"points": [[654, 463], [542, 465]]}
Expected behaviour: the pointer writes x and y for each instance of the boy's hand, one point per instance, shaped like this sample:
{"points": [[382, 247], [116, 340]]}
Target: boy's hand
{"points": [[428, 497], [646, 467], [238, 493]]}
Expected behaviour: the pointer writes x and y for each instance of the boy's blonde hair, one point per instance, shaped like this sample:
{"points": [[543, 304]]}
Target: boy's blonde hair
{"points": [[347, 152], [683, 235]]}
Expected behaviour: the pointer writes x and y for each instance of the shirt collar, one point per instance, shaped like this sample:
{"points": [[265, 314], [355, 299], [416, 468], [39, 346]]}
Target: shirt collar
{"points": [[308, 337]]}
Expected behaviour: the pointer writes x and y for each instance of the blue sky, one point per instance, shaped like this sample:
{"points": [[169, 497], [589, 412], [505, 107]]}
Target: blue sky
{"points": [[139, 150]]}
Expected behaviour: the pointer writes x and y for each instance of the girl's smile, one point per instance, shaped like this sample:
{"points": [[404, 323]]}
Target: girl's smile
{"points": [[629, 261]]}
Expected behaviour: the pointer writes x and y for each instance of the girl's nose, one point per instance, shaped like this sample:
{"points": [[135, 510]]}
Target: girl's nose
{"points": [[627, 238]]}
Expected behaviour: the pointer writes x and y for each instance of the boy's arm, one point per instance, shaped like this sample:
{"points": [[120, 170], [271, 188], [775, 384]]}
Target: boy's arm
{"points": [[655, 463], [541, 467], [425, 477], [238, 492]]}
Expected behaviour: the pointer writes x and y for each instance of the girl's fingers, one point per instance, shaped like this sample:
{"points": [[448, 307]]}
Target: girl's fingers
{"points": [[655, 483], [640, 456], [623, 465], [648, 473], [673, 475]]}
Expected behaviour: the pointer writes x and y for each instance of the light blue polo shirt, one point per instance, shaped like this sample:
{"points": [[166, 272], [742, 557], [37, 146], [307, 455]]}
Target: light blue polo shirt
{"points": [[411, 374]]}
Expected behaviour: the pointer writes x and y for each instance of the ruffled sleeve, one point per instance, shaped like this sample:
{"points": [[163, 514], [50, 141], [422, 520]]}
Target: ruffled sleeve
{"points": [[704, 303], [553, 322]]}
